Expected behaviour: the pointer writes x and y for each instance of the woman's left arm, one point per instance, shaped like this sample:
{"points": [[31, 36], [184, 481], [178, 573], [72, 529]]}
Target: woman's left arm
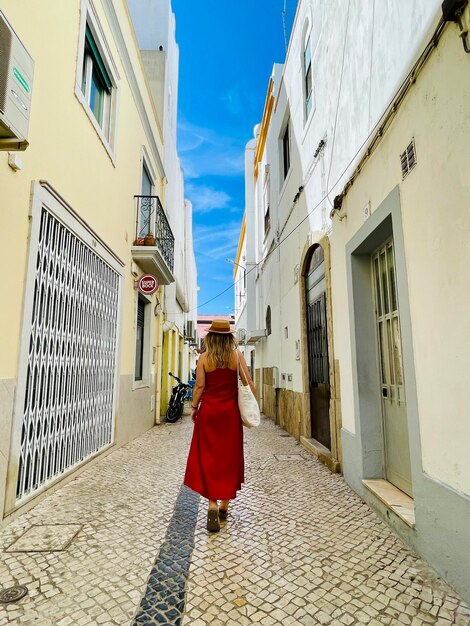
{"points": [[199, 386], [245, 374]]}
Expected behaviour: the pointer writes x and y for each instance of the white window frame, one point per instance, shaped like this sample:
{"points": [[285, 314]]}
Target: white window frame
{"points": [[146, 163], [286, 127], [267, 200], [307, 44], [108, 132]]}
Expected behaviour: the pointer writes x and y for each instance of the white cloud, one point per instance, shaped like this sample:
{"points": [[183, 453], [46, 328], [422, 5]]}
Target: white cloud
{"points": [[206, 199], [233, 101], [213, 242], [205, 152]]}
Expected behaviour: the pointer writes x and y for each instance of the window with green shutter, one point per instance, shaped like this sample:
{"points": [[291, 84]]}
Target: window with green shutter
{"points": [[96, 83]]}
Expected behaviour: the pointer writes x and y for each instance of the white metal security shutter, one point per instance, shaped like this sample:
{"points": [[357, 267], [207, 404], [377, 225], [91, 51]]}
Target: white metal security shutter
{"points": [[69, 387]]}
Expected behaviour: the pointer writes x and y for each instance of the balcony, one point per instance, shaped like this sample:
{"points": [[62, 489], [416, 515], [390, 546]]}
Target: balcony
{"points": [[153, 247]]}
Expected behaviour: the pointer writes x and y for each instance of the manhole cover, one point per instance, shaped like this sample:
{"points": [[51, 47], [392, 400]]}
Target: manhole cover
{"points": [[45, 538], [12, 594]]}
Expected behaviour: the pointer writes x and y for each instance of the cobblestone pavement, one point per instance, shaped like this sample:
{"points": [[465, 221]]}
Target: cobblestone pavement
{"points": [[127, 545]]}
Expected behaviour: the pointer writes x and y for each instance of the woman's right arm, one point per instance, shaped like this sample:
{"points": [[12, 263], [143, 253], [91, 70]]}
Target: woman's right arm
{"points": [[245, 374]]}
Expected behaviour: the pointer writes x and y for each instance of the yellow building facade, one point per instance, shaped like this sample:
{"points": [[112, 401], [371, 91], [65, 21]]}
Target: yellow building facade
{"points": [[81, 347]]}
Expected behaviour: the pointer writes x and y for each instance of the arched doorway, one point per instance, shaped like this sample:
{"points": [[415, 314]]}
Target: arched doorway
{"points": [[317, 340]]}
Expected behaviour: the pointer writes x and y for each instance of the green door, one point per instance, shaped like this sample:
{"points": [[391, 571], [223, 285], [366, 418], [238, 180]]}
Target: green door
{"points": [[392, 388]]}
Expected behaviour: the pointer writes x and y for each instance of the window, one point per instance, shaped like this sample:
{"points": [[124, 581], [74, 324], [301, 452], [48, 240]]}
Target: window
{"points": [[140, 340], [268, 320], [97, 77], [146, 186], [285, 152], [146, 209], [307, 66], [96, 83], [267, 196]]}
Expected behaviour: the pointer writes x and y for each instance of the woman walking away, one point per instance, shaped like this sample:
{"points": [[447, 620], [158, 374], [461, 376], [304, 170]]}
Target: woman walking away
{"points": [[215, 467]]}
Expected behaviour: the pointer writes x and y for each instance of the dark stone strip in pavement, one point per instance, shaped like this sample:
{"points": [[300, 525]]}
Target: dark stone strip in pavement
{"points": [[164, 598]]}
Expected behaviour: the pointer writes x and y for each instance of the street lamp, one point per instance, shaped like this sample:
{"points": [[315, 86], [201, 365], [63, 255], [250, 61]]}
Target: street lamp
{"points": [[233, 263]]}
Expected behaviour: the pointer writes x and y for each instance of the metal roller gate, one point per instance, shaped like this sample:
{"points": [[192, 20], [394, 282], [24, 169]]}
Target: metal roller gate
{"points": [[67, 376]]}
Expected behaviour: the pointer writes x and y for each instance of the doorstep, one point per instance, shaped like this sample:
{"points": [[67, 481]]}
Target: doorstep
{"points": [[319, 450], [393, 498]]}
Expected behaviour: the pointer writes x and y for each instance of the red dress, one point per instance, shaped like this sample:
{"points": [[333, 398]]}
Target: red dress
{"points": [[215, 466]]}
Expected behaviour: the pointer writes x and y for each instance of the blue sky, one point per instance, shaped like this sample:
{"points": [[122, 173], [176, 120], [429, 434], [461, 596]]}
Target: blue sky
{"points": [[227, 50]]}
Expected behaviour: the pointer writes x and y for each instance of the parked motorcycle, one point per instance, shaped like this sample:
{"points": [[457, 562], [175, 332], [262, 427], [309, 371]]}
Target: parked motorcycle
{"points": [[176, 405]]}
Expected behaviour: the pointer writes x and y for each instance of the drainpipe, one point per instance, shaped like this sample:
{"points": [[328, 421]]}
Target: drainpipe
{"points": [[158, 356]]}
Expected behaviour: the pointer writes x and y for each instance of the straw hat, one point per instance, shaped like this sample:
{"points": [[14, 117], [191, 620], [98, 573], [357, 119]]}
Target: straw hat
{"points": [[221, 327]]}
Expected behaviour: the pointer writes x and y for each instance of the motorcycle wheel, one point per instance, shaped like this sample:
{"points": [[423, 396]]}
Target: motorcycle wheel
{"points": [[175, 411]]}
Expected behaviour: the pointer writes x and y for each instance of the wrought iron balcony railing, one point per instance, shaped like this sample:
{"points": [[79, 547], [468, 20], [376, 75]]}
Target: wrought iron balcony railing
{"points": [[152, 228]]}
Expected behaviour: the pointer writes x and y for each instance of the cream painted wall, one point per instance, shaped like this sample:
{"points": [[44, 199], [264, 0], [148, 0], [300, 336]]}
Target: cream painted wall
{"points": [[436, 224], [66, 151]]}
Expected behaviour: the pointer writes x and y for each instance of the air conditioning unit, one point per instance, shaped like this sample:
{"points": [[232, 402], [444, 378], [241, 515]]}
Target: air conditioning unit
{"points": [[16, 84], [190, 329], [241, 336]]}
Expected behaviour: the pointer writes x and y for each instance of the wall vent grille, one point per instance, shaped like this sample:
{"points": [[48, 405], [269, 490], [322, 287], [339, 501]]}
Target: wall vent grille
{"points": [[408, 159]]}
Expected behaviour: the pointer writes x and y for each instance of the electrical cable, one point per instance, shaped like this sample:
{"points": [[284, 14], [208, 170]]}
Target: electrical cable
{"points": [[392, 106], [371, 61], [281, 241], [338, 101]]}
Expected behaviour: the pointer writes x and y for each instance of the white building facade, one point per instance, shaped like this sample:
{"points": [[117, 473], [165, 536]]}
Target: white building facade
{"points": [[155, 27], [347, 179]]}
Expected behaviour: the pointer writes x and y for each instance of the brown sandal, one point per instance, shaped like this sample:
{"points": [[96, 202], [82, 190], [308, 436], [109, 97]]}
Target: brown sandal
{"points": [[223, 514], [213, 525]]}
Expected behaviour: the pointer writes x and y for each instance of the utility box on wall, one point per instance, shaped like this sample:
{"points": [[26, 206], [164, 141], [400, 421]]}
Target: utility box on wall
{"points": [[16, 84], [276, 381]]}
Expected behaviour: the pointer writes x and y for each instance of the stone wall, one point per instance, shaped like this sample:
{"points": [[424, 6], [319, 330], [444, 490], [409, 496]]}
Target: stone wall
{"points": [[257, 381], [269, 394], [294, 412], [290, 409]]}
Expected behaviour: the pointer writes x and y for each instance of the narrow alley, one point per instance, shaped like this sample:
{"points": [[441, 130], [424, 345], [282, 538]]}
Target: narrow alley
{"points": [[125, 543]]}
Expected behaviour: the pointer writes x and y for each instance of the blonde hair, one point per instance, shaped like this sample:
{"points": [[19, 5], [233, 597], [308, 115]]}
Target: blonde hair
{"points": [[219, 348]]}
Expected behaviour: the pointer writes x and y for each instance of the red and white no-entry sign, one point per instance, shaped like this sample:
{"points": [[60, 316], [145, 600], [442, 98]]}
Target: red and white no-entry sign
{"points": [[147, 284]]}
